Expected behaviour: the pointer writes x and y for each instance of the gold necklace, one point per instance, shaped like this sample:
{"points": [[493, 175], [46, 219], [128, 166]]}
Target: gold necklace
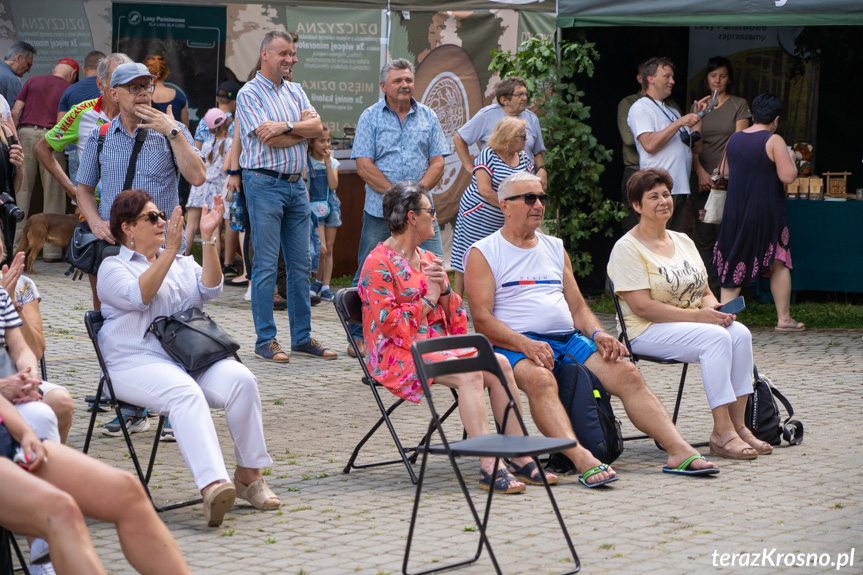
{"points": [[404, 253]]}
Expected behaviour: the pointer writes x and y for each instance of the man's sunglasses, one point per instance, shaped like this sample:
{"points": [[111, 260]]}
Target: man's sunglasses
{"points": [[153, 216], [530, 199], [431, 211]]}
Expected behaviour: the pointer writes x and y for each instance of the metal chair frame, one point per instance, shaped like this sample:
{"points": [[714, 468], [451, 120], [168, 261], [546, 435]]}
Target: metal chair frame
{"points": [[635, 358], [8, 544], [497, 445], [349, 309], [93, 320]]}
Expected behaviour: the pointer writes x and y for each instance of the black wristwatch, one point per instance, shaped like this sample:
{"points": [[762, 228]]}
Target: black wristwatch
{"points": [[290, 126]]}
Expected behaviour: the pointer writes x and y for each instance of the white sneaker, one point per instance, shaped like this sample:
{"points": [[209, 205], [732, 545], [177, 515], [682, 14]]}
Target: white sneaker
{"points": [[44, 569], [39, 551], [248, 296]]}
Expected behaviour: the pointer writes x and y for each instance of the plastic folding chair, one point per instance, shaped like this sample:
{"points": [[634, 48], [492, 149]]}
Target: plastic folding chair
{"points": [[635, 358], [93, 320], [349, 309], [497, 445]]}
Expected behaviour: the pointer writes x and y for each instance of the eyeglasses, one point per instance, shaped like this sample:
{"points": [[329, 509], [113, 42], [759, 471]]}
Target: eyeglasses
{"points": [[530, 199], [154, 217], [135, 89], [519, 95], [431, 211], [521, 136]]}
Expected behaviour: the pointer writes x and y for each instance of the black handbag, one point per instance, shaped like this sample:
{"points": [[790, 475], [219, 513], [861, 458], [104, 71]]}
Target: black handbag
{"points": [[85, 251], [763, 418], [193, 339]]}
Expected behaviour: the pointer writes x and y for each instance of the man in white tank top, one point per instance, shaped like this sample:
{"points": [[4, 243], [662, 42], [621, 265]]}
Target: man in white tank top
{"points": [[524, 298]]}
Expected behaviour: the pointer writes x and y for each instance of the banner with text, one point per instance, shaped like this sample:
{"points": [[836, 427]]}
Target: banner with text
{"points": [[56, 29]]}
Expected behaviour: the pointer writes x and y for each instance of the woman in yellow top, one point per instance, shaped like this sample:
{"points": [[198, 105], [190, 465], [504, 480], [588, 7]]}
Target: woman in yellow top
{"points": [[671, 313]]}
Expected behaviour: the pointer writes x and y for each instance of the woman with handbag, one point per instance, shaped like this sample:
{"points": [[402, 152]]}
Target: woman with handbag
{"points": [[671, 313], [753, 237], [144, 282], [729, 114]]}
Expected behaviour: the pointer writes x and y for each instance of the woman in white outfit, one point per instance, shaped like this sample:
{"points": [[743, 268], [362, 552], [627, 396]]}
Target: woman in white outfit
{"points": [[145, 281], [671, 313]]}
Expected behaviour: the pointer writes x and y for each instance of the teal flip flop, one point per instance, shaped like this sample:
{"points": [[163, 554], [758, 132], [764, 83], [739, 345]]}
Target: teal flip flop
{"points": [[593, 471], [683, 468]]}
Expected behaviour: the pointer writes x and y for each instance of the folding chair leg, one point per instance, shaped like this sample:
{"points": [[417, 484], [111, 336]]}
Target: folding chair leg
{"points": [[402, 453], [481, 525], [6, 534], [559, 520], [427, 437], [677, 408], [93, 415]]}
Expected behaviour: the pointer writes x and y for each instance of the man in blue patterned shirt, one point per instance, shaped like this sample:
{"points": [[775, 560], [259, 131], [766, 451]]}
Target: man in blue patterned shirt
{"points": [[397, 139], [276, 121]]}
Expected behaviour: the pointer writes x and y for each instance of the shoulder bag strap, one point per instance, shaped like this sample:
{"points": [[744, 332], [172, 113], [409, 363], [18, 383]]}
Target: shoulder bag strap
{"points": [[130, 171]]}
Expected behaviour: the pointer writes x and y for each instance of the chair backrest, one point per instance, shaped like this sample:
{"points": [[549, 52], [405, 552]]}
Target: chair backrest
{"points": [[349, 308], [483, 360], [93, 320], [609, 285]]}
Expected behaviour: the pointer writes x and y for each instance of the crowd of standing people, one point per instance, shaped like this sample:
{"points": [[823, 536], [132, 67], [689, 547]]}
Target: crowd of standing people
{"points": [[262, 161]]}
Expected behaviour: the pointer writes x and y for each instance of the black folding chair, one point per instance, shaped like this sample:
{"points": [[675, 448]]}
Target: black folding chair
{"points": [[8, 545], [93, 320], [497, 445], [635, 358], [349, 309]]}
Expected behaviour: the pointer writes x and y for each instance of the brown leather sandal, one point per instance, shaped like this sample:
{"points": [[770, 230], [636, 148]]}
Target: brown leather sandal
{"points": [[720, 447], [760, 447]]}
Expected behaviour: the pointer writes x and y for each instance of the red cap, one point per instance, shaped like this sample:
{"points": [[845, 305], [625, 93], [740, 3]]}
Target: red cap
{"points": [[69, 62]]}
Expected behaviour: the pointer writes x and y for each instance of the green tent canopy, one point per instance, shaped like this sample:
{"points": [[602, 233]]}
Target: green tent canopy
{"points": [[699, 13]]}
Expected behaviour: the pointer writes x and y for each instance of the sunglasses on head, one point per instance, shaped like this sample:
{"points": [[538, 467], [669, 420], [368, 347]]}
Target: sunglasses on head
{"points": [[153, 216], [530, 199]]}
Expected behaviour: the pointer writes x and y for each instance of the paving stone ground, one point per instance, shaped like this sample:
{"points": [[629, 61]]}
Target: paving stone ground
{"points": [[802, 500]]}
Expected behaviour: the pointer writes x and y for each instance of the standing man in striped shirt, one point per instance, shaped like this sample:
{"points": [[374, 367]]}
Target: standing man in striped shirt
{"points": [[276, 121]]}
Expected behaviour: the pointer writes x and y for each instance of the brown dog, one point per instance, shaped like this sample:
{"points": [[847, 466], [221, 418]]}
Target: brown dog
{"points": [[55, 229]]}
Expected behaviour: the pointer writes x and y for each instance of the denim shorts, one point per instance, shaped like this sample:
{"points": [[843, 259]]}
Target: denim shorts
{"points": [[574, 343], [334, 218]]}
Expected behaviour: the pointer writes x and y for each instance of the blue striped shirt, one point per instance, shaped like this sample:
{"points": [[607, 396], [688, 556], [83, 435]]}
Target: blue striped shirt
{"points": [[259, 101], [9, 318], [401, 151], [156, 170]]}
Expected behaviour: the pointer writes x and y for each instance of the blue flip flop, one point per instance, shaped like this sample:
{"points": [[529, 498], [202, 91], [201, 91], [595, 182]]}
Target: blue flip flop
{"points": [[593, 471], [683, 468]]}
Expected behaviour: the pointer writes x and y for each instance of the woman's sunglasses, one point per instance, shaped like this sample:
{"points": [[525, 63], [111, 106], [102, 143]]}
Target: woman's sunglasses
{"points": [[153, 216], [530, 199]]}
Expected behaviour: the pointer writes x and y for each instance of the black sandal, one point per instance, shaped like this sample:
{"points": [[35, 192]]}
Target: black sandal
{"points": [[501, 483]]}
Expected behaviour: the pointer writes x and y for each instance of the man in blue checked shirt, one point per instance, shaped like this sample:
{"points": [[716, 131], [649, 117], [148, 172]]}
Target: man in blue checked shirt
{"points": [[397, 139], [167, 152], [276, 120]]}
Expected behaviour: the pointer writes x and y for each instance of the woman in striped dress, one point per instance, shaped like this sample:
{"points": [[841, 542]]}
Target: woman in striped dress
{"points": [[478, 211]]}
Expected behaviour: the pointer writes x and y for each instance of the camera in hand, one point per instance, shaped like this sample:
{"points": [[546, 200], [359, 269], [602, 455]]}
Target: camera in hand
{"points": [[10, 210]]}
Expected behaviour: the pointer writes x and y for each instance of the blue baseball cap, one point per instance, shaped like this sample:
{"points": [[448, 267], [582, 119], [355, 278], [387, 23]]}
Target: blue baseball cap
{"points": [[125, 73]]}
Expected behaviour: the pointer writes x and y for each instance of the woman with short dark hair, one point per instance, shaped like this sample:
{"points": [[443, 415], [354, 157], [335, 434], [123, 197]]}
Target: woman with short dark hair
{"points": [[145, 281], [753, 237], [406, 297], [671, 313]]}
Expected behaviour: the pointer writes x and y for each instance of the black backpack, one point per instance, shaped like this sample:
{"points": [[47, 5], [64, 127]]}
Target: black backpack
{"points": [[589, 409], [762, 414]]}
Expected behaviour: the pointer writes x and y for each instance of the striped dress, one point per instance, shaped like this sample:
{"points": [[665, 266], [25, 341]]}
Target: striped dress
{"points": [[476, 218]]}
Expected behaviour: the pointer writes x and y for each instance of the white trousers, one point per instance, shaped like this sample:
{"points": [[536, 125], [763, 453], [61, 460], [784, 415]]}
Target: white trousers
{"points": [[725, 355], [168, 390], [41, 418]]}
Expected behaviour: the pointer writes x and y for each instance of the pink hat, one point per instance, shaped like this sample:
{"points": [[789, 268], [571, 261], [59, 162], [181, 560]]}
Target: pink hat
{"points": [[214, 118], [69, 62]]}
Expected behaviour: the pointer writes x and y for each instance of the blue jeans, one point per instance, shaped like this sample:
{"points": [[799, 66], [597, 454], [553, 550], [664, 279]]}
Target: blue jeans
{"points": [[278, 209], [314, 244], [375, 231]]}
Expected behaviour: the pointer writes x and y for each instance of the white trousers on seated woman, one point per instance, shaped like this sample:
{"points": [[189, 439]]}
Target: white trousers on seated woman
{"points": [[725, 355], [167, 389]]}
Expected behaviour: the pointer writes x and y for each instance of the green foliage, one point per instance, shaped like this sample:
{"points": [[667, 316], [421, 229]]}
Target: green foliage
{"points": [[575, 159]]}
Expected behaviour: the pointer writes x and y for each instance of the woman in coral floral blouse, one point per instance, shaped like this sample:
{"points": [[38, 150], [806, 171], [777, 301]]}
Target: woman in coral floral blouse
{"points": [[406, 296]]}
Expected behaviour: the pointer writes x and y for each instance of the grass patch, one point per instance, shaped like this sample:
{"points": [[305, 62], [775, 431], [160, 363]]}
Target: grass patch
{"points": [[815, 309]]}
